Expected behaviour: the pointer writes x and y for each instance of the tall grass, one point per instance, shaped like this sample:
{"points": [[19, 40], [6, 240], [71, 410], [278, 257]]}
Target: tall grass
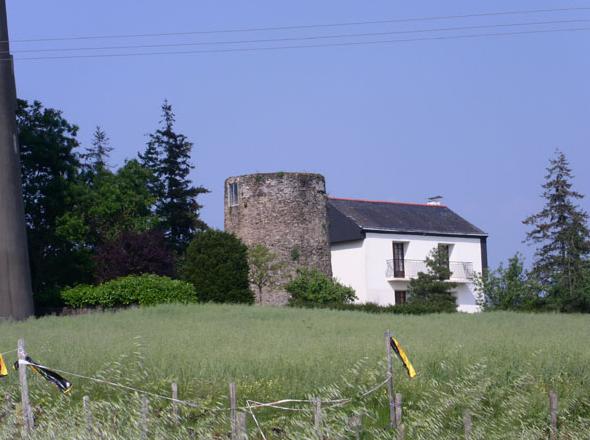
{"points": [[498, 365]]}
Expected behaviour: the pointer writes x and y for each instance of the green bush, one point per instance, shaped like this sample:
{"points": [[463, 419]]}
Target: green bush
{"points": [[144, 290], [399, 309], [313, 286], [216, 263]]}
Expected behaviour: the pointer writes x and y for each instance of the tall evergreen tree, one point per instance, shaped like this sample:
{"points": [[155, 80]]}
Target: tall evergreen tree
{"points": [[96, 157], [561, 233], [167, 155]]}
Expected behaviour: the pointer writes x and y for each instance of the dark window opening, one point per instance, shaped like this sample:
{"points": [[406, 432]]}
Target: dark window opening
{"points": [[233, 194], [400, 296], [399, 270], [444, 252]]}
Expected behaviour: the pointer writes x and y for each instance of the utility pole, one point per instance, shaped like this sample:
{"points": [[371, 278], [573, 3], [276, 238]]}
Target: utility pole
{"points": [[16, 298]]}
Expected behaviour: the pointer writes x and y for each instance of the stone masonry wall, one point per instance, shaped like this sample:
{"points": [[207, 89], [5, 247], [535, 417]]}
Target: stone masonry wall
{"points": [[287, 213]]}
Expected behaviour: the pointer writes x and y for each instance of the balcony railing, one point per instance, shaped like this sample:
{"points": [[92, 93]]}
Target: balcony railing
{"points": [[461, 271]]}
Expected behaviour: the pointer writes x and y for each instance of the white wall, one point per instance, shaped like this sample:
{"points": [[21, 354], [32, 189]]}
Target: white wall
{"points": [[348, 266], [362, 264]]}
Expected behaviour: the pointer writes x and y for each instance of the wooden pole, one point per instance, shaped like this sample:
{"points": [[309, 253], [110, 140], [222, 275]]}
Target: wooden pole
{"points": [[29, 423], [175, 414], [88, 414], [233, 405], [145, 409], [467, 424], [355, 424], [553, 403], [242, 427], [317, 416], [398, 417], [390, 394]]}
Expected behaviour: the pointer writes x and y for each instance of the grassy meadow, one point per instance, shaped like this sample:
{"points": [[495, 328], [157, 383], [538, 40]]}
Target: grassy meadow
{"points": [[500, 366]]}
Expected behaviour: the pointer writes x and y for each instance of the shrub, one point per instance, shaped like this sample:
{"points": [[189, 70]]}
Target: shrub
{"points": [[313, 286], [216, 263], [145, 290], [134, 253], [399, 309]]}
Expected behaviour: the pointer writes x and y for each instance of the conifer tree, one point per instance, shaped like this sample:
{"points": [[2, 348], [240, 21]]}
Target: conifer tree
{"points": [[167, 155], [96, 157], [561, 233], [433, 288]]}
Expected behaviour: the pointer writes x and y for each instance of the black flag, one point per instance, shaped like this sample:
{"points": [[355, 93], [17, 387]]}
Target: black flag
{"points": [[61, 383]]}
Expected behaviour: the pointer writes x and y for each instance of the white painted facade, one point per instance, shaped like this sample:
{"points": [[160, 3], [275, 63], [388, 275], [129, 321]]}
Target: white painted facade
{"points": [[363, 265]]}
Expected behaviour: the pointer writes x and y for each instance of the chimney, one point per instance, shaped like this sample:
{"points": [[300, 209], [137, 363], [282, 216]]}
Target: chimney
{"points": [[435, 201]]}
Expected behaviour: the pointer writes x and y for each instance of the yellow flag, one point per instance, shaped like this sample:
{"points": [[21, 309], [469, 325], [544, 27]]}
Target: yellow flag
{"points": [[403, 357], [3, 370]]}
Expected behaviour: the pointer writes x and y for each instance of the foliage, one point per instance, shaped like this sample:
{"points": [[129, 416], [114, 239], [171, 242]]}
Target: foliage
{"points": [[398, 309], [167, 156], [433, 288], [134, 253], [263, 267], [313, 286], [561, 233], [497, 365], [507, 288], [50, 175], [144, 290], [216, 263], [96, 157], [113, 204]]}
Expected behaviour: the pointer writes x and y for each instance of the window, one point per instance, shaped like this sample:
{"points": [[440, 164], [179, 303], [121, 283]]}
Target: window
{"points": [[399, 270], [400, 296], [444, 251], [232, 192]]}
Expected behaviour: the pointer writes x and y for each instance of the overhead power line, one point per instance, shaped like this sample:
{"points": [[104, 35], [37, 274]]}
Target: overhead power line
{"points": [[308, 38], [308, 26], [309, 46]]}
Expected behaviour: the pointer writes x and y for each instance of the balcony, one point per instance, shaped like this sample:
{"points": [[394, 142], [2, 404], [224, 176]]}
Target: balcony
{"points": [[461, 271]]}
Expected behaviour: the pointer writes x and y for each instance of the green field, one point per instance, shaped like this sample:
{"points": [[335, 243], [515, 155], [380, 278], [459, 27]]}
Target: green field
{"points": [[500, 366]]}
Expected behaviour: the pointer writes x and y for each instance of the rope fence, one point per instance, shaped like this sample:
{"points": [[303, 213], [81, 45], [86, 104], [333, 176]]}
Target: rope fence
{"points": [[238, 413]]}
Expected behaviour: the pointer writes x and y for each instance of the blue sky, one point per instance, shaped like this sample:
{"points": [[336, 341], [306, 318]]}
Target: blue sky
{"points": [[474, 120]]}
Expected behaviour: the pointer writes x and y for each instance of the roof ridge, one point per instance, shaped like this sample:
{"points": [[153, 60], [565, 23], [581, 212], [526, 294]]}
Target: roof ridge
{"points": [[386, 201]]}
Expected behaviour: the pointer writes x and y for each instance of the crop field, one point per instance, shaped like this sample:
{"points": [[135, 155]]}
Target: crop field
{"points": [[499, 366]]}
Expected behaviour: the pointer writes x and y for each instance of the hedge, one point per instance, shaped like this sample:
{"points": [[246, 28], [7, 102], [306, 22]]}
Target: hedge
{"points": [[144, 290]]}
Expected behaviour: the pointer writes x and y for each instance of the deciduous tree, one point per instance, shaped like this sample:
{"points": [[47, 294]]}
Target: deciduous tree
{"points": [[507, 288], [264, 267], [50, 173]]}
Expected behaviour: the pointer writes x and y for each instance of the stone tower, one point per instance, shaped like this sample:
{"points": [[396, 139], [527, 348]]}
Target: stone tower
{"points": [[287, 213]]}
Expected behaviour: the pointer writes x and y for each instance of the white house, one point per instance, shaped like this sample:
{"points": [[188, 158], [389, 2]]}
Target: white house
{"points": [[377, 247]]}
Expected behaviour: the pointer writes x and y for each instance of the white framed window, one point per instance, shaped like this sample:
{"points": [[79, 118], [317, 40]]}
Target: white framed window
{"points": [[232, 192]]}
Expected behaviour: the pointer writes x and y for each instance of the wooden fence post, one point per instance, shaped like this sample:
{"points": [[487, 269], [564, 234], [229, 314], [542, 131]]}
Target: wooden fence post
{"points": [[553, 413], [88, 414], [175, 415], [467, 424], [242, 428], [233, 406], [398, 417], [29, 423], [317, 416], [355, 424], [145, 408], [390, 394]]}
